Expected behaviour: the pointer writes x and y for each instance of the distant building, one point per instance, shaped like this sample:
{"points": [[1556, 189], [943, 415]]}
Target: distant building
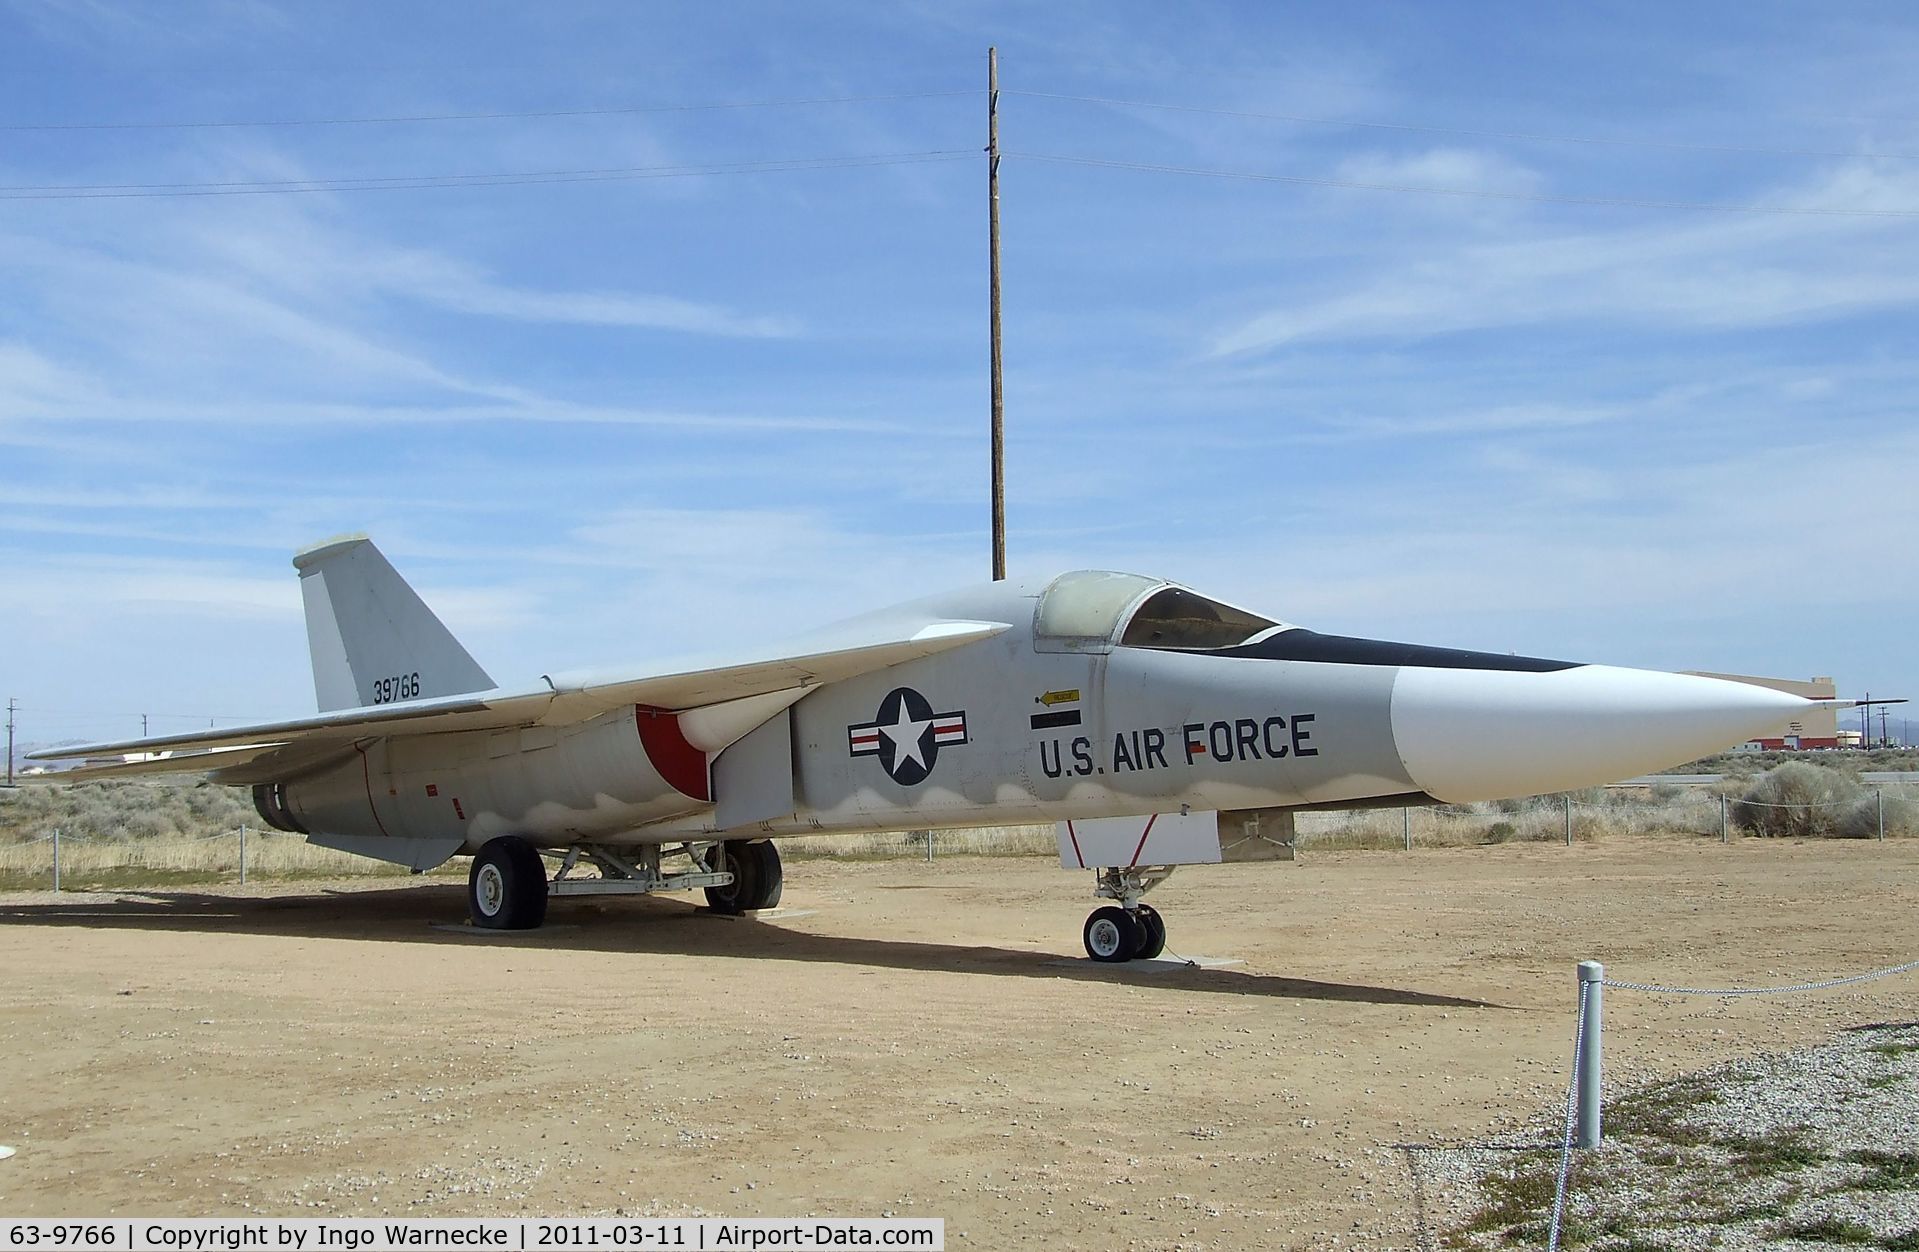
{"points": [[1815, 728]]}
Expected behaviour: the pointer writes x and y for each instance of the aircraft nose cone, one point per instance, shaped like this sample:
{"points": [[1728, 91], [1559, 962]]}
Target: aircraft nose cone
{"points": [[1489, 734]]}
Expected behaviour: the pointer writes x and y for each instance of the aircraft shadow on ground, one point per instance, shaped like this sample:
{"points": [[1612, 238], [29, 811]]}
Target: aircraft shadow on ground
{"points": [[643, 925]]}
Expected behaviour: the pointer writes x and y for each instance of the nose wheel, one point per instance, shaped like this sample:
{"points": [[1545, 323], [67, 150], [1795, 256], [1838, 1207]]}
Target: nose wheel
{"points": [[1113, 934], [1153, 941], [1126, 930]]}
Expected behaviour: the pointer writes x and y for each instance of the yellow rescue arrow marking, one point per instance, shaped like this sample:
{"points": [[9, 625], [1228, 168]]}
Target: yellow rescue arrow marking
{"points": [[1058, 697]]}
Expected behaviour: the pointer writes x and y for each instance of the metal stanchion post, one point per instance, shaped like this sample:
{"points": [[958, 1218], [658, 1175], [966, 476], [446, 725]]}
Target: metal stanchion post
{"points": [[1592, 984], [1569, 821], [1879, 798], [1725, 829], [56, 859], [929, 847], [243, 856], [1407, 814]]}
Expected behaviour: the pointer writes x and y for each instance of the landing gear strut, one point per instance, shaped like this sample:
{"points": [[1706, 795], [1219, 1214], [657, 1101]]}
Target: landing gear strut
{"points": [[1127, 930]]}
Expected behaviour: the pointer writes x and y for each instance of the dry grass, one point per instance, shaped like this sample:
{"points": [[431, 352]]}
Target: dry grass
{"points": [[119, 863], [153, 833], [1597, 813], [963, 841]]}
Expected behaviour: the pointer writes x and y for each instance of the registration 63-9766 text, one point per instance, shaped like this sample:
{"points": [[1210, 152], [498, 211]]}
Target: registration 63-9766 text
{"points": [[398, 687]]}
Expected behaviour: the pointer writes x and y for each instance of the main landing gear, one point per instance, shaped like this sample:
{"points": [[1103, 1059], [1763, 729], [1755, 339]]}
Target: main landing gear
{"points": [[1127, 930], [507, 888]]}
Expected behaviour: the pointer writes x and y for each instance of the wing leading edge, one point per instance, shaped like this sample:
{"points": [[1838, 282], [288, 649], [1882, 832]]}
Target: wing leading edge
{"points": [[237, 753]]}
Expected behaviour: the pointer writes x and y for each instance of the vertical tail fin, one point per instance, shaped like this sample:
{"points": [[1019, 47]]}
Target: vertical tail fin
{"points": [[373, 640]]}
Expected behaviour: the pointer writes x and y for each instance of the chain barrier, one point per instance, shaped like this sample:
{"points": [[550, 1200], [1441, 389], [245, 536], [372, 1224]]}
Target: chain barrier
{"points": [[1572, 1117], [1763, 991], [1806, 804], [1710, 801], [1579, 1044], [139, 842]]}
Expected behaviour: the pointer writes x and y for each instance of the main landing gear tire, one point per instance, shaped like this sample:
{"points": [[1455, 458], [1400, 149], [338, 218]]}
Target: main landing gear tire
{"points": [[1112, 935], [506, 888], [757, 877]]}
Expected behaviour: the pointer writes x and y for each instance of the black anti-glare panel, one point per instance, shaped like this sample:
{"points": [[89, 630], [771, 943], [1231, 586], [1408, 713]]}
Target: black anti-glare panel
{"points": [[1309, 645]]}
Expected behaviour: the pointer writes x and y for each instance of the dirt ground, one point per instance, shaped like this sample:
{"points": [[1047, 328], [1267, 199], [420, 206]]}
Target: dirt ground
{"points": [[911, 1047]]}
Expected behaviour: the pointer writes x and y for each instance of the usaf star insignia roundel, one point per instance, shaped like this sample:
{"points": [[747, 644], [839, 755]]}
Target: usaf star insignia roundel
{"points": [[907, 735]]}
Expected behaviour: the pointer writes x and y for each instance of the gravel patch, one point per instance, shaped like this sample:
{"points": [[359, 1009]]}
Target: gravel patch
{"points": [[1815, 1148]]}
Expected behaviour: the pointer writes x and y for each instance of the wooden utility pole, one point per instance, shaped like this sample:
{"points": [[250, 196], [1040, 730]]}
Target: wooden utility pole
{"points": [[999, 398]]}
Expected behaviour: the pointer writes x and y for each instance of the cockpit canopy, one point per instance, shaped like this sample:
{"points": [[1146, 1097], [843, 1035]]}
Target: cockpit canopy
{"points": [[1097, 610]]}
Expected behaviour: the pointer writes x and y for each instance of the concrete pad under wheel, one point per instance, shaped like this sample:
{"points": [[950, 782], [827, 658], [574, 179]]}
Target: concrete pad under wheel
{"points": [[1158, 965], [488, 932]]}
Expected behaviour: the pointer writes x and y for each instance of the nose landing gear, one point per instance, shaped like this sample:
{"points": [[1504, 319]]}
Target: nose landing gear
{"points": [[1127, 930], [1113, 934]]}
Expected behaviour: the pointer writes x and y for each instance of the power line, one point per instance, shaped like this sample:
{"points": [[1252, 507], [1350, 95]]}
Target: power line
{"points": [[1466, 192], [1529, 136], [415, 182], [613, 111]]}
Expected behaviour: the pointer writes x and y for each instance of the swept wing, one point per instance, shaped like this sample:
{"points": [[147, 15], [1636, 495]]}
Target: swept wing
{"points": [[272, 749]]}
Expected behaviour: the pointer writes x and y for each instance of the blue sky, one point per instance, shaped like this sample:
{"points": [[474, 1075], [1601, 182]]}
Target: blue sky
{"points": [[611, 418]]}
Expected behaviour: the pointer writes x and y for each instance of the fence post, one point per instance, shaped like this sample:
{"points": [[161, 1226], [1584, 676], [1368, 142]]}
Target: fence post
{"points": [[929, 847], [243, 856], [1725, 830], [1879, 798], [1569, 819], [1407, 814], [1592, 984], [56, 858]]}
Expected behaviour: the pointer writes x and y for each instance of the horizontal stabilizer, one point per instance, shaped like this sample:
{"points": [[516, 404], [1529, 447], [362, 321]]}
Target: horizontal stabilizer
{"points": [[165, 763]]}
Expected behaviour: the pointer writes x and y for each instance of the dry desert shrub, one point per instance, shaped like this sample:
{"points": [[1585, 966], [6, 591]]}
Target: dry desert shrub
{"points": [[1862, 820], [124, 810], [1799, 800]]}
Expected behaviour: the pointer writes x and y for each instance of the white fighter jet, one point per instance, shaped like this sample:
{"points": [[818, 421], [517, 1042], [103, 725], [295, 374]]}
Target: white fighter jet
{"points": [[1155, 726]]}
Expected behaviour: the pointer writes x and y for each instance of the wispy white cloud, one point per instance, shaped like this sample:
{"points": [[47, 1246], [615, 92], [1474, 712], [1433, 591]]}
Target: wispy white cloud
{"points": [[114, 586], [466, 292], [1503, 419], [105, 22], [302, 253], [1706, 271], [1463, 169]]}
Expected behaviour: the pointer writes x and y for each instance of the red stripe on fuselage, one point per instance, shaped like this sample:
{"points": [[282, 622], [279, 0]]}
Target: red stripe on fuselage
{"points": [[366, 772], [682, 765], [1142, 839]]}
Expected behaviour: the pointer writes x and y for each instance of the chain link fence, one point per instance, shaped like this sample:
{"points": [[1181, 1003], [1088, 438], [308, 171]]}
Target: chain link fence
{"points": [[29, 860], [1889, 811], [59, 862]]}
